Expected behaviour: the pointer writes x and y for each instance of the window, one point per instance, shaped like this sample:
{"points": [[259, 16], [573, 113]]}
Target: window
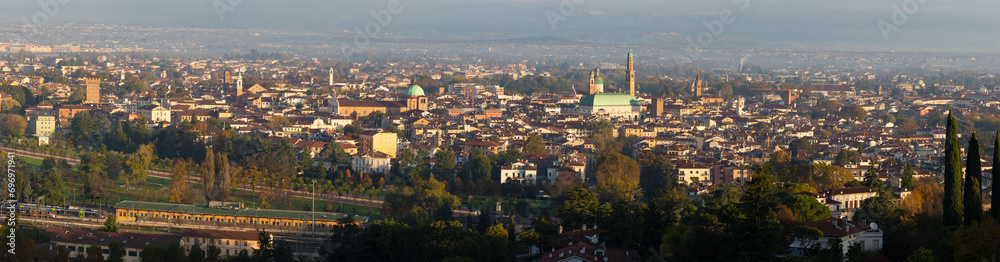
{"points": [[132, 254], [72, 248]]}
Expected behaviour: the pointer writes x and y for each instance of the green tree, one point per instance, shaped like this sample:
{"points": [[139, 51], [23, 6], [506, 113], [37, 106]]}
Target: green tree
{"points": [[196, 254], [116, 252], [756, 232], [972, 197], [534, 145], [52, 187], [846, 157], [581, 208], [444, 164], [604, 139], [908, 180], [617, 178], [95, 254], [110, 224], [952, 175], [995, 201], [481, 166], [977, 242], [799, 144], [62, 254], [805, 208], [137, 165], [335, 153]]}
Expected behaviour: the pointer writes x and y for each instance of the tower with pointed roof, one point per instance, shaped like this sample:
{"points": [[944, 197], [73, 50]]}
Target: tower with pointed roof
{"points": [[239, 85], [596, 82], [697, 85], [630, 75]]}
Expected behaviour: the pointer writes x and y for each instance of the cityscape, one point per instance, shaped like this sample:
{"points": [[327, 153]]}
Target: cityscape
{"points": [[234, 130]]}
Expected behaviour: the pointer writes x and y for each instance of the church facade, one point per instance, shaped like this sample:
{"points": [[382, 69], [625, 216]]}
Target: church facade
{"points": [[614, 105], [415, 100]]}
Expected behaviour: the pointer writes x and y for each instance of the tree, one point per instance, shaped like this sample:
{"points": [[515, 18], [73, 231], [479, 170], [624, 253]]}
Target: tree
{"points": [[995, 201], [952, 175], [95, 254], [335, 153], [534, 145], [13, 125], [827, 177], [110, 224], [779, 156], [116, 252], [871, 178], [908, 180], [972, 199], [212, 253], [179, 189], [799, 144], [481, 166], [444, 164], [62, 254], [756, 231], [846, 157], [617, 178], [604, 139], [806, 209], [196, 254], [581, 208], [52, 187], [853, 112], [977, 242], [907, 126], [137, 165]]}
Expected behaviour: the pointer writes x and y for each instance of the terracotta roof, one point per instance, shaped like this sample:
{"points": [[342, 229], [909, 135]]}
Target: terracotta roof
{"points": [[835, 227], [92, 237]]}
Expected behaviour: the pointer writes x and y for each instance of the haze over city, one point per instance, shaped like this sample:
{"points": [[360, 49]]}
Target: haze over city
{"points": [[499, 131]]}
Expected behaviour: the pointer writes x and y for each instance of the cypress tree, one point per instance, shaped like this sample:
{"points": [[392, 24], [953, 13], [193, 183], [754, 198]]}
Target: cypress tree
{"points": [[994, 201], [973, 198], [952, 175]]}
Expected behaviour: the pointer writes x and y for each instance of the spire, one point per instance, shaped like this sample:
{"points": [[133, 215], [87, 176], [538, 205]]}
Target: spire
{"points": [[239, 85]]}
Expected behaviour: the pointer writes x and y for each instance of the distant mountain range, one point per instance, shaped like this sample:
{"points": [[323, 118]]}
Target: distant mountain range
{"points": [[957, 26]]}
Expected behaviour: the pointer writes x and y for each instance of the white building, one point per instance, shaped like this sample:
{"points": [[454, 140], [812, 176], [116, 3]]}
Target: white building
{"points": [[519, 171], [154, 112], [850, 233], [376, 162]]}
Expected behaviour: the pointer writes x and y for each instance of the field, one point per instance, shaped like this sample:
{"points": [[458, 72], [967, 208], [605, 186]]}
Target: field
{"points": [[157, 190]]}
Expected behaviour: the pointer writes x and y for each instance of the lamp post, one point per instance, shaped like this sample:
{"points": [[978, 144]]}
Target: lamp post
{"points": [[313, 224]]}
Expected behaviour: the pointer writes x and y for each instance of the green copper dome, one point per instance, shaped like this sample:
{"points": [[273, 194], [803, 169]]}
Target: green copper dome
{"points": [[609, 99], [598, 80], [630, 53], [414, 90]]}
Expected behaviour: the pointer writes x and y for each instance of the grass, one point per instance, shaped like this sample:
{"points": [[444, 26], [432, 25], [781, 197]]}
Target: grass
{"points": [[155, 189]]}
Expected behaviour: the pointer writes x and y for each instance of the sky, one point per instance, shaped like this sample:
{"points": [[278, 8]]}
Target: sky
{"points": [[930, 25]]}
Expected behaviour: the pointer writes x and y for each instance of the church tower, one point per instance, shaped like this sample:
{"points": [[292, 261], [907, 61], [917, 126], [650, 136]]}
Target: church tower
{"points": [[697, 85], [331, 76], [332, 105], [596, 82], [239, 85], [630, 75]]}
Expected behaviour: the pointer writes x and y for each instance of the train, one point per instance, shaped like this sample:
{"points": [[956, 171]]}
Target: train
{"points": [[56, 211]]}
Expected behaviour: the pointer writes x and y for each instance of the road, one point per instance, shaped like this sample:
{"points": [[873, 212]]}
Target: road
{"points": [[159, 173]]}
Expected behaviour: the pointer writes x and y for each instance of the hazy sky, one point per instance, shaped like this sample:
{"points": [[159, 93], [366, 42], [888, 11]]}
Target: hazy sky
{"points": [[945, 25]]}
